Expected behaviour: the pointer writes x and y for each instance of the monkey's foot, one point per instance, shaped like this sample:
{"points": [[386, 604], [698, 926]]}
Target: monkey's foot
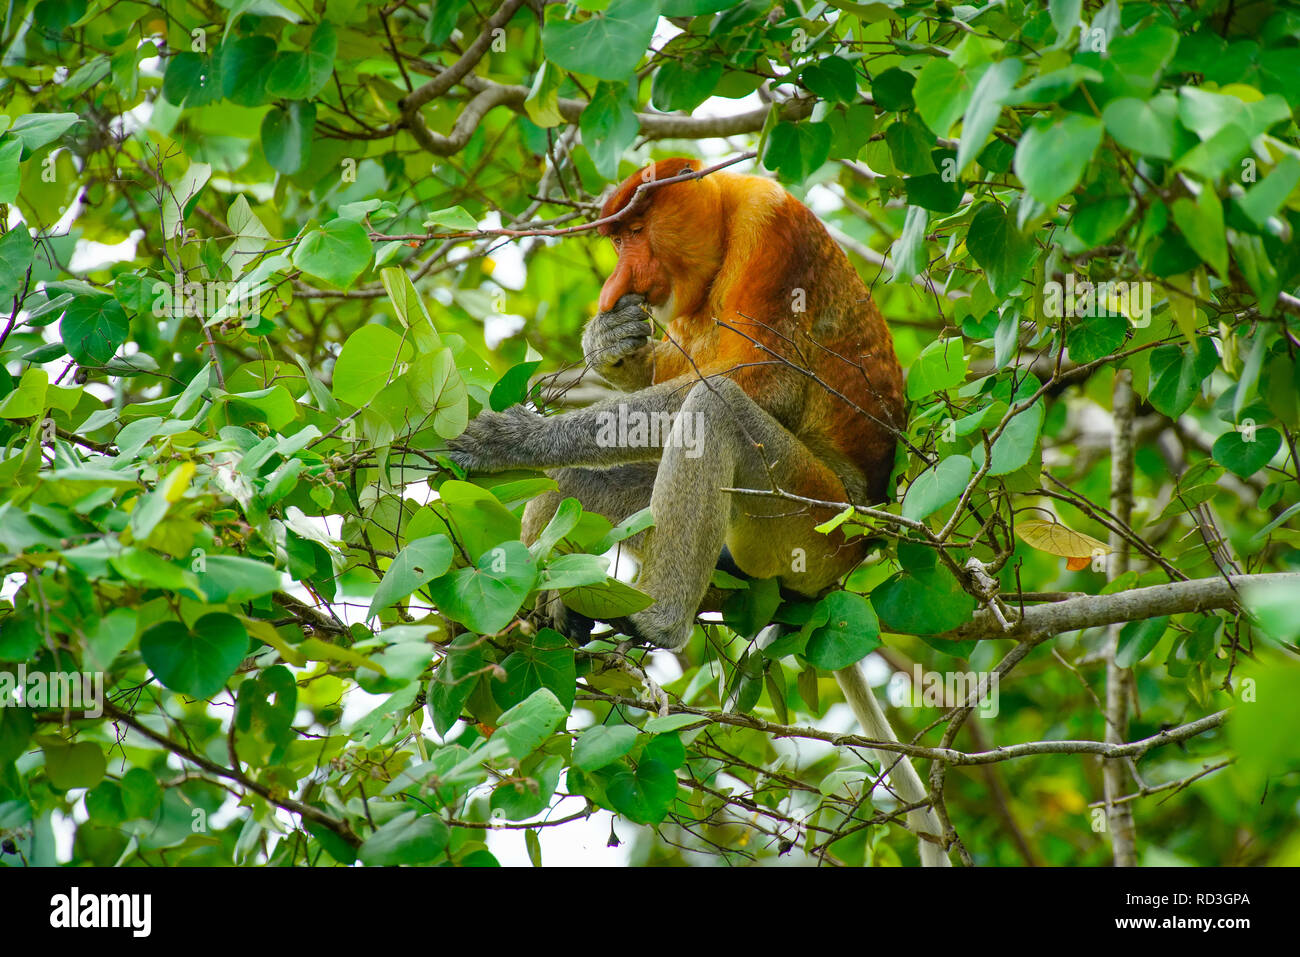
{"points": [[575, 626], [652, 628]]}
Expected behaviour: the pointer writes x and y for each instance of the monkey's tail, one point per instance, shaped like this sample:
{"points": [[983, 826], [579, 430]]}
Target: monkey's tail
{"points": [[906, 782]]}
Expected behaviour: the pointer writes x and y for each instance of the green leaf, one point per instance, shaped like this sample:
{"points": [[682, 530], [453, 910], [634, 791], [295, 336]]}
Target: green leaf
{"points": [[1052, 155], [942, 92], [1147, 127], [1065, 17], [245, 65], [796, 150], [93, 328], [438, 389], [286, 138], [684, 84], [1273, 604], [1260, 733], [938, 192], [197, 663], [543, 103], [572, 571], [892, 90], [11, 152], [1015, 446], [192, 80], [922, 602], [1002, 251], [1096, 220], [235, 578], [372, 357], [406, 839], [79, 765], [453, 217], [1177, 374], [19, 639], [612, 599], [1245, 452], [608, 45], [16, 252], [909, 252], [911, 146], [1095, 336], [529, 793], [1261, 201], [486, 598], [940, 366], [1137, 639], [512, 388], [525, 726], [936, 487], [644, 795], [450, 688], [609, 126], [1201, 224], [602, 745], [832, 78], [990, 94], [548, 661], [301, 75], [40, 129], [671, 722], [667, 748], [479, 521], [337, 252], [851, 632], [420, 561], [851, 129], [749, 611]]}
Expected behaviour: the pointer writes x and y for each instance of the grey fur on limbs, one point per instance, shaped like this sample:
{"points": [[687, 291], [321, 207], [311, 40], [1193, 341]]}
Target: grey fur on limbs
{"points": [[720, 438]]}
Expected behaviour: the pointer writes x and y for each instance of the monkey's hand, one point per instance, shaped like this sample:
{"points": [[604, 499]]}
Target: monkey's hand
{"points": [[615, 342], [496, 441]]}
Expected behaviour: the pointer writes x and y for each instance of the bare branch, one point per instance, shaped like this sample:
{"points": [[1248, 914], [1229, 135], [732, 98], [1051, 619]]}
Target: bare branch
{"points": [[1197, 594]]}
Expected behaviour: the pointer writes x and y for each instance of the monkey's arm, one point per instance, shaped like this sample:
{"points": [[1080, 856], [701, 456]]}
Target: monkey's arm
{"points": [[616, 344], [519, 438]]}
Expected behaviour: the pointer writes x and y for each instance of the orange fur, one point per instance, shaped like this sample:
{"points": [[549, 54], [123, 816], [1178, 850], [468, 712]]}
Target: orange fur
{"points": [[733, 255]]}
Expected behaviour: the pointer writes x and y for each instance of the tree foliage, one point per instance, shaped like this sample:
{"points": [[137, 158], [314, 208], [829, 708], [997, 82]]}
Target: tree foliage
{"points": [[261, 261]]}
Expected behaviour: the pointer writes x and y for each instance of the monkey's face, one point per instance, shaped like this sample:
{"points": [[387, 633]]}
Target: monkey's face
{"points": [[639, 271]]}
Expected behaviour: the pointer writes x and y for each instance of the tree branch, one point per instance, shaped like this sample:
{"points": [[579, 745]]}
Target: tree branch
{"points": [[1198, 594], [449, 77], [306, 811], [654, 126], [1119, 817]]}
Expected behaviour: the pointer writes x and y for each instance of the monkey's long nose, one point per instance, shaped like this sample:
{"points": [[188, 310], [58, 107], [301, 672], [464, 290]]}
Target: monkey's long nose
{"points": [[618, 283]]}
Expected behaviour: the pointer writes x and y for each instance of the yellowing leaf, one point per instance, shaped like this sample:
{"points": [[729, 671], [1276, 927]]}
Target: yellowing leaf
{"points": [[175, 485], [265, 631], [317, 650], [1057, 539]]}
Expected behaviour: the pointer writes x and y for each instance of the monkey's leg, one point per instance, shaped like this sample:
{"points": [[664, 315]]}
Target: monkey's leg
{"points": [[614, 493], [736, 444], [722, 438]]}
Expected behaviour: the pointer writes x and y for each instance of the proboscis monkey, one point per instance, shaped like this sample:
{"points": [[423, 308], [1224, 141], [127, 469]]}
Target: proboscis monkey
{"points": [[776, 372]]}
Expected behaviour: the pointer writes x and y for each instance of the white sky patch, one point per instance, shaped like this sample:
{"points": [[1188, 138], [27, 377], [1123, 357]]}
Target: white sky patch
{"points": [[133, 120], [90, 255], [580, 843], [822, 201], [509, 273]]}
